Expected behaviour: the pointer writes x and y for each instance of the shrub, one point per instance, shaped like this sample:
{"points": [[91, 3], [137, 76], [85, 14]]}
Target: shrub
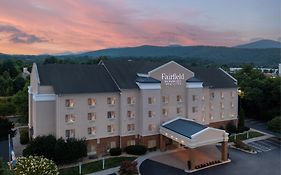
{"points": [[34, 165], [61, 151], [136, 149], [128, 168], [115, 151], [24, 138], [231, 128], [275, 124], [6, 128]]}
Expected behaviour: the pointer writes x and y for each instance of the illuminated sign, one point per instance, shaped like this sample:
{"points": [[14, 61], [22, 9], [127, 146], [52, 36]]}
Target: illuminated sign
{"points": [[172, 79]]}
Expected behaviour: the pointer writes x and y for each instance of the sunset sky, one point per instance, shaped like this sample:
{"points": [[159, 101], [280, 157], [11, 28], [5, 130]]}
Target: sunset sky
{"points": [[58, 26]]}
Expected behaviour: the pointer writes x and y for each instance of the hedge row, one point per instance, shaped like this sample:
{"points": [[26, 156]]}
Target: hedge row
{"points": [[133, 149]]}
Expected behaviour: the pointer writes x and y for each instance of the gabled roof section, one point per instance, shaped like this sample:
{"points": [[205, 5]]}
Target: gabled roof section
{"points": [[184, 127], [76, 78], [147, 80]]}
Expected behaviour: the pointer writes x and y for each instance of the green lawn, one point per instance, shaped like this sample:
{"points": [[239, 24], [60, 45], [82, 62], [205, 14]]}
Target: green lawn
{"points": [[243, 136], [95, 166]]}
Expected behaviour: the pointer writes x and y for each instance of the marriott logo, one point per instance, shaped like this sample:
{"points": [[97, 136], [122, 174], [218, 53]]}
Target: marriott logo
{"points": [[173, 76]]}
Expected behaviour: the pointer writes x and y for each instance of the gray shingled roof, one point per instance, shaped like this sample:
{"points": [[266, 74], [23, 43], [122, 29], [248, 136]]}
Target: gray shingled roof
{"points": [[76, 78], [125, 73], [147, 80], [183, 127]]}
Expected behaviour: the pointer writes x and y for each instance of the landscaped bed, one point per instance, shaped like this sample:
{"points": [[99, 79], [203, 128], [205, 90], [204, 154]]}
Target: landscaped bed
{"points": [[245, 135], [96, 166]]}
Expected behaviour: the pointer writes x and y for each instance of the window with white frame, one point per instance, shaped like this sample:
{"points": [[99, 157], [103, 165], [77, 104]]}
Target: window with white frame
{"points": [[130, 114], [92, 131], [203, 97], [151, 100], [113, 144], [165, 112], [110, 114], [111, 100], [91, 149], [92, 102], [69, 133], [211, 116], [131, 127], [232, 104], [92, 116], [194, 109], [151, 114], [131, 142], [151, 127], [69, 103], [165, 99], [179, 98], [131, 100], [69, 118], [110, 128]]}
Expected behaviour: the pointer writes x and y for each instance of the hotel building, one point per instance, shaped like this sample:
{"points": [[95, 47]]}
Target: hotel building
{"points": [[121, 103]]}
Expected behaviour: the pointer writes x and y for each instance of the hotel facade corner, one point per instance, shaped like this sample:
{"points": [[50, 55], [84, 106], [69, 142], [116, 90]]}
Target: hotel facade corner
{"points": [[122, 103]]}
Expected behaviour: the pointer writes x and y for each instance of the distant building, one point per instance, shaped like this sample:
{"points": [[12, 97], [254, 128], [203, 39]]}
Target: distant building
{"points": [[121, 103], [279, 69], [25, 72]]}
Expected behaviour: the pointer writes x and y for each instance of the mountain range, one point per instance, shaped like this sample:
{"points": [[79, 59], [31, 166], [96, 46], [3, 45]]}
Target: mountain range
{"points": [[259, 53]]}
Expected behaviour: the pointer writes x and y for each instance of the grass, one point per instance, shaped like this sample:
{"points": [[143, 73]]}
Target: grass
{"points": [[95, 166], [243, 136]]}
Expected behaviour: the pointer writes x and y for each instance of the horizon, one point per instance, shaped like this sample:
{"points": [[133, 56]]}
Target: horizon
{"points": [[89, 26]]}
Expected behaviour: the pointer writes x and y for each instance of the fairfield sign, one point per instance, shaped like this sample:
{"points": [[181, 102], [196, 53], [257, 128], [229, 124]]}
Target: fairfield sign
{"points": [[172, 79]]}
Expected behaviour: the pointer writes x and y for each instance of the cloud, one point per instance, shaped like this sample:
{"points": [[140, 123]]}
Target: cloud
{"points": [[18, 36]]}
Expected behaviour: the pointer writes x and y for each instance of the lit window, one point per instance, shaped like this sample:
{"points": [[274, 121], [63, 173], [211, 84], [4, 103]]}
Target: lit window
{"points": [[91, 148], [110, 128], [194, 109], [151, 100], [92, 116], [222, 95], [92, 131], [130, 100], [211, 116], [111, 100], [131, 142], [165, 112], [113, 144], [203, 98], [151, 114], [130, 127], [232, 104], [165, 99], [110, 114], [222, 115], [212, 95], [151, 127], [179, 110], [69, 103], [92, 102], [69, 118], [70, 133], [232, 94], [211, 106], [179, 98]]}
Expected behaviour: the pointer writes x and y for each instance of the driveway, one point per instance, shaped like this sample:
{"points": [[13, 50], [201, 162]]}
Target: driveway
{"points": [[260, 125], [263, 163]]}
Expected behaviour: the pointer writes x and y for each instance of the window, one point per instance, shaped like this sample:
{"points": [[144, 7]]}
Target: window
{"points": [[131, 127], [130, 100], [179, 98], [92, 102], [69, 118], [151, 100], [203, 98], [110, 114], [113, 144], [111, 100], [151, 114], [151, 127], [211, 106], [194, 109], [222, 105], [179, 110], [151, 144], [131, 142], [165, 112], [211, 116], [92, 131], [70, 133], [110, 128], [194, 97], [165, 99], [212, 95], [69, 103], [91, 148], [130, 114], [92, 116]]}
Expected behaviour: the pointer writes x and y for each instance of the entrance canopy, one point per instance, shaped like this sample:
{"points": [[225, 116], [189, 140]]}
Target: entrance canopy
{"points": [[192, 134]]}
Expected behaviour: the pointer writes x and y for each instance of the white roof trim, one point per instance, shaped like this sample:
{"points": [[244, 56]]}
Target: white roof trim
{"points": [[149, 85], [142, 75], [229, 75], [44, 97], [168, 64]]}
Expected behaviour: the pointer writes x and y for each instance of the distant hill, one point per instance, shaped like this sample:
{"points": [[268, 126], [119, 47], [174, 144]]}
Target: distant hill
{"points": [[261, 44]]}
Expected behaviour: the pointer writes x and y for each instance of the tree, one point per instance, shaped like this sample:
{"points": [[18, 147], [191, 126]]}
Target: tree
{"points": [[34, 165], [128, 168], [20, 99], [241, 120], [6, 128], [275, 124]]}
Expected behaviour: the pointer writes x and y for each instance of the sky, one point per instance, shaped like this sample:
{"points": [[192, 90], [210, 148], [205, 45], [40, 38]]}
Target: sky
{"points": [[62, 26]]}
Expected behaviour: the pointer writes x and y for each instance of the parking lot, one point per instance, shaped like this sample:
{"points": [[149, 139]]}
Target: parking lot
{"points": [[265, 145]]}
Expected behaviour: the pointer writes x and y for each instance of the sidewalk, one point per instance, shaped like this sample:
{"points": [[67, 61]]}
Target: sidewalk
{"points": [[106, 172]]}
